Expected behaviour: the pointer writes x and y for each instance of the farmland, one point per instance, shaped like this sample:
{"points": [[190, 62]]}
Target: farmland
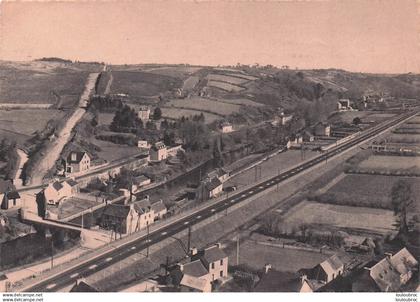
{"points": [[27, 122], [390, 163], [139, 84], [206, 105], [377, 220], [367, 190], [176, 113], [228, 79], [43, 82], [225, 86]]}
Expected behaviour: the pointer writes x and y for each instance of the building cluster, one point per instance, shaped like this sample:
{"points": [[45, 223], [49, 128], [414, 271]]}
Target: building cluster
{"points": [[213, 184], [201, 270], [132, 217], [344, 105]]}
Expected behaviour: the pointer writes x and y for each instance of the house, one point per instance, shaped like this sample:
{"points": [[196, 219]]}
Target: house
{"points": [[284, 119], [76, 162], [358, 243], [9, 196], [158, 152], [220, 173], [321, 274], [4, 283], [82, 286], [213, 187], [173, 151], [404, 264], [143, 144], [159, 209], [57, 191], [295, 141], [322, 129], [307, 136], [205, 267], [126, 219], [214, 260], [144, 113], [226, 127], [344, 105], [142, 180]]}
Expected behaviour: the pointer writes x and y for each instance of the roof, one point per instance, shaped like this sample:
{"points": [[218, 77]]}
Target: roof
{"points": [[385, 276], [213, 254], [196, 283], [355, 239], [332, 264], [6, 186], [276, 281], [72, 182], [116, 210], [403, 261], [83, 287], [141, 178], [195, 269], [225, 124], [3, 277], [79, 156], [13, 195], [57, 185], [158, 145], [314, 284], [213, 184], [142, 206], [158, 206]]}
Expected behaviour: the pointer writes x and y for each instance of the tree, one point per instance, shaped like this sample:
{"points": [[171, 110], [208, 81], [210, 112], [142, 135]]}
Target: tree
{"points": [[401, 200], [157, 114], [357, 121]]}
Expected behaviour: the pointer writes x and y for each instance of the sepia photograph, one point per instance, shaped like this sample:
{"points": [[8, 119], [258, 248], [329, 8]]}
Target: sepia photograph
{"points": [[176, 146]]}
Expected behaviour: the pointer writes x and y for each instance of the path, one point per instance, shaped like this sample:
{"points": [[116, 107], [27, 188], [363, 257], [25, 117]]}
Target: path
{"points": [[51, 155]]}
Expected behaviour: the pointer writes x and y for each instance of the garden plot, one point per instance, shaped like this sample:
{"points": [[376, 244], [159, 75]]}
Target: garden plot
{"points": [[383, 163], [225, 86], [176, 113], [347, 217], [205, 105]]}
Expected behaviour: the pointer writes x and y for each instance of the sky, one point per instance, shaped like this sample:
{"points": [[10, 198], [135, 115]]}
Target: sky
{"points": [[368, 36]]}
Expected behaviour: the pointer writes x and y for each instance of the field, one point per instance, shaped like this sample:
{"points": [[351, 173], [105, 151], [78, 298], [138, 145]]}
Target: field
{"points": [[348, 116], [190, 83], [404, 138], [176, 113], [206, 105], [414, 120], [112, 152], [224, 86], [377, 117], [42, 83], [368, 190], [256, 256], [105, 118], [228, 79], [27, 122], [142, 84], [390, 163], [377, 220], [244, 102]]}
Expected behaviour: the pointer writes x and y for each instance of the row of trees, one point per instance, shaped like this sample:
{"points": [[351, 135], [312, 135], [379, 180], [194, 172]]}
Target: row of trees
{"points": [[8, 154]]}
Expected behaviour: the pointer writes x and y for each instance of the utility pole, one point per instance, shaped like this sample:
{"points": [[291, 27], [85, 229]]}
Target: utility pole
{"points": [[189, 239], [147, 240], [237, 250], [278, 174]]}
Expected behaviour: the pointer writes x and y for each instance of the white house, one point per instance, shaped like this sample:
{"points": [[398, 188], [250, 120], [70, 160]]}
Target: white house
{"points": [[144, 113], [226, 127], [57, 191], [143, 144]]}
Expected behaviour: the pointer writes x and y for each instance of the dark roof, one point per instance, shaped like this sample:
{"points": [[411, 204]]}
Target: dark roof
{"points": [[275, 281], [141, 178], [195, 269], [142, 206], [3, 277], [79, 156], [57, 186], [72, 182], [6, 186], [213, 254], [158, 206], [83, 287], [116, 210], [213, 184], [13, 195]]}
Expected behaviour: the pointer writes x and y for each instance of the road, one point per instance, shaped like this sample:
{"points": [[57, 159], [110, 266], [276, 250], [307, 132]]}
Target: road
{"points": [[52, 154], [92, 266]]}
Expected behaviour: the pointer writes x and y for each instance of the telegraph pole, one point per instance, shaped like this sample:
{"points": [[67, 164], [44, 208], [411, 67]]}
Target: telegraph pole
{"points": [[147, 240], [237, 250], [189, 239]]}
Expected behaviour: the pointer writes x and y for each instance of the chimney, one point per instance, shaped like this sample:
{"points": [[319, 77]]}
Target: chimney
{"points": [[303, 278], [193, 251], [267, 267], [388, 255], [73, 156], [181, 267], [219, 245]]}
